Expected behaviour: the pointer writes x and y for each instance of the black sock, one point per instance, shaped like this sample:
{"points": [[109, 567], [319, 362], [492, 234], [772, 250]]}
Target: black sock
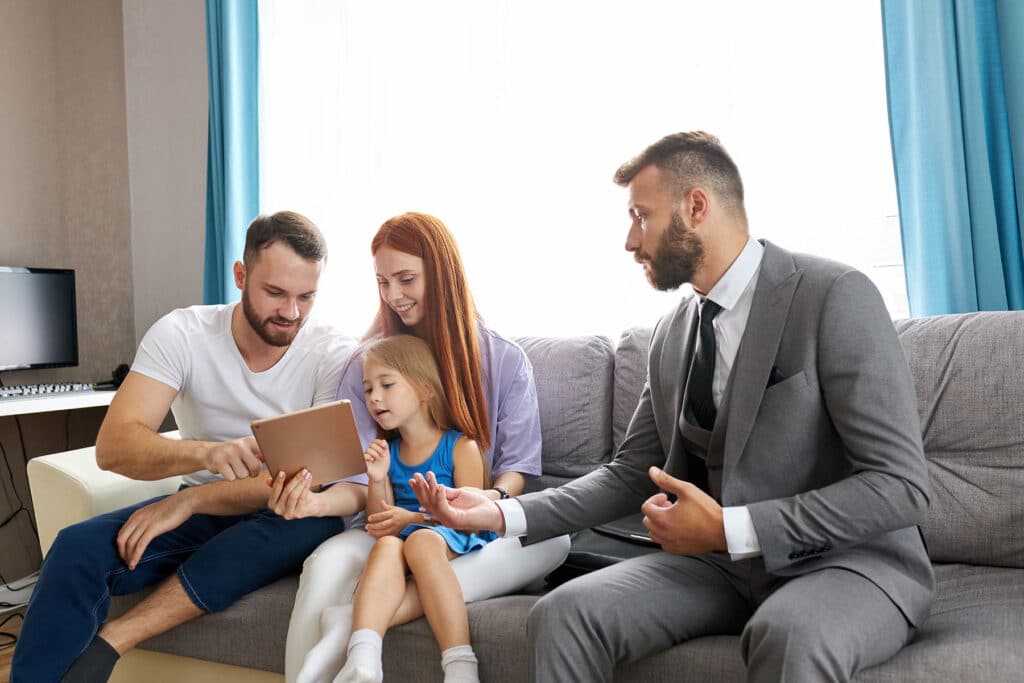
{"points": [[94, 665]]}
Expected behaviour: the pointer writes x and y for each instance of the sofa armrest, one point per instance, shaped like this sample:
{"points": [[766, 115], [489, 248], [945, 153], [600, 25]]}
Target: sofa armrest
{"points": [[70, 487]]}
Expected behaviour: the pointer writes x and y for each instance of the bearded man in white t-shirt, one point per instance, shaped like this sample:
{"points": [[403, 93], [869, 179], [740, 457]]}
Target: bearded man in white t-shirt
{"points": [[216, 368]]}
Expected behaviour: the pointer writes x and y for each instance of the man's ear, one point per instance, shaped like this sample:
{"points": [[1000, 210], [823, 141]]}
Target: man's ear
{"points": [[698, 205], [239, 272]]}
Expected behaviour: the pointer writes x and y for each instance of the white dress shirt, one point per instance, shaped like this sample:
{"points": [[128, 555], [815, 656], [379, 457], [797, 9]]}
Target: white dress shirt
{"points": [[734, 292]]}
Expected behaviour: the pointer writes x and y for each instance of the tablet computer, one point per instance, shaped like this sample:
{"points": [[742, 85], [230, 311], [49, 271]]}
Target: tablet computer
{"points": [[629, 528], [323, 439]]}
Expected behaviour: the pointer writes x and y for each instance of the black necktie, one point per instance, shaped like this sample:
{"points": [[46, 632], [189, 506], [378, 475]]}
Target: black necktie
{"points": [[702, 370]]}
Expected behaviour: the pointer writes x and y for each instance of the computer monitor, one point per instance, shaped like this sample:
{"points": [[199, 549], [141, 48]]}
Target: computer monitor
{"points": [[38, 318]]}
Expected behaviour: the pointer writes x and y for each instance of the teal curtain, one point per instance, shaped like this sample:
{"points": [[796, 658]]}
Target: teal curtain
{"points": [[955, 79], [232, 169]]}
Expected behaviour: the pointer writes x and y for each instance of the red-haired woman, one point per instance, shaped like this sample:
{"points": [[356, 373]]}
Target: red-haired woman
{"points": [[423, 291]]}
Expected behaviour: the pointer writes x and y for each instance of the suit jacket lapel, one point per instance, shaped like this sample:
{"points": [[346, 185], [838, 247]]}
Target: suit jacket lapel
{"points": [[769, 311], [672, 374]]}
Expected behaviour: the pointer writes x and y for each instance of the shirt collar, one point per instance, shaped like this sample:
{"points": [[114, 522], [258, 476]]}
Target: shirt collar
{"points": [[734, 282]]}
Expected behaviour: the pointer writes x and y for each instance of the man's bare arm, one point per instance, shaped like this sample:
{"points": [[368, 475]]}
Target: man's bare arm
{"points": [[128, 442]]}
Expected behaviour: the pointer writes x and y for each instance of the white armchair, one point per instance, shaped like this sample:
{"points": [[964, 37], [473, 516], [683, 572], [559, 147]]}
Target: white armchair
{"points": [[69, 487]]}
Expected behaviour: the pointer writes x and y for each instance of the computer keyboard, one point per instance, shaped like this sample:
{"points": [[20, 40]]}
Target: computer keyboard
{"points": [[30, 390]]}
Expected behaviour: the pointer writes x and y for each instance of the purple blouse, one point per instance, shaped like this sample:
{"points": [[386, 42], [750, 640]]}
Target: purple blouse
{"points": [[511, 404]]}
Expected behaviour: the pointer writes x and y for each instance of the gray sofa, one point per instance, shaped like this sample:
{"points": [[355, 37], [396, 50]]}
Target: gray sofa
{"points": [[969, 375]]}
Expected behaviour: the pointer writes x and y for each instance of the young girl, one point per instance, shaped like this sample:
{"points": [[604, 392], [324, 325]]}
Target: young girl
{"points": [[406, 398]]}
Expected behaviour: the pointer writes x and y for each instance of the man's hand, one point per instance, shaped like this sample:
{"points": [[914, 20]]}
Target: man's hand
{"points": [[467, 509], [391, 521], [292, 498], [236, 459], [148, 522], [691, 525], [378, 460]]}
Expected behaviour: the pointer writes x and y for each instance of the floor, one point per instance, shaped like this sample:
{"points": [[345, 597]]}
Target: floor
{"points": [[12, 626]]}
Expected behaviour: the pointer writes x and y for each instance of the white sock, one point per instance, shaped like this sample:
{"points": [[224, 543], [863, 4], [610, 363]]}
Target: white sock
{"points": [[325, 660], [459, 664], [364, 659]]}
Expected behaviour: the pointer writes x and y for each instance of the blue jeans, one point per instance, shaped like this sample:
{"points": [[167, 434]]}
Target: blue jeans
{"points": [[218, 559]]}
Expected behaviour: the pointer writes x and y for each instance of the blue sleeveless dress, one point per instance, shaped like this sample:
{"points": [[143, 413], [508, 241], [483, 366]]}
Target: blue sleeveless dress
{"points": [[443, 467]]}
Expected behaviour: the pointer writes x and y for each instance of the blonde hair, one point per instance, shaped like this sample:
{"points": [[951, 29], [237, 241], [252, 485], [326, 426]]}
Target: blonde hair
{"points": [[410, 356]]}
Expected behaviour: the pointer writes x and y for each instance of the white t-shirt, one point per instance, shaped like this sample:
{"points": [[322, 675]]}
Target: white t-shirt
{"points": [[192, 351]]}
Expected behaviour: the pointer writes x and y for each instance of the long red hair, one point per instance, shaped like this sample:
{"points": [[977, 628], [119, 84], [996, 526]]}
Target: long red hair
{"points": [[450, 318]]}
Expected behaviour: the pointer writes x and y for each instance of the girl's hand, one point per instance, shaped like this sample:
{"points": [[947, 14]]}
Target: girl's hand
{"points": [[378, 460], [292, 498], [391, 521]]}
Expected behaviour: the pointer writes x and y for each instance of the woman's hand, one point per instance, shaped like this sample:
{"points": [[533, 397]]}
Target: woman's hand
{"points": [[378, 460], [292, 498], [391, 521]]}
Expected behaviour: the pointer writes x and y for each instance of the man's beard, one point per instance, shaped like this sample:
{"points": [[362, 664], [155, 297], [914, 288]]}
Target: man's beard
{"points": [[263, 327], [679, 254]]}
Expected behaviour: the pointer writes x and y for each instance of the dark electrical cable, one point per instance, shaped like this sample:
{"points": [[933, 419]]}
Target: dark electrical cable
{"points": [[8, 639], [24, 458], [21, 504]]}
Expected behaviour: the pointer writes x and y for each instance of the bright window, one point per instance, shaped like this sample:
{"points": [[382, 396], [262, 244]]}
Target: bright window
{"points": [[507, 120]]}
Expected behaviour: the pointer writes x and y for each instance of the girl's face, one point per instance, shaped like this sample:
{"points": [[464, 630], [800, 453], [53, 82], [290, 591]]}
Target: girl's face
{"points": [[400, 281], [390, 397]]}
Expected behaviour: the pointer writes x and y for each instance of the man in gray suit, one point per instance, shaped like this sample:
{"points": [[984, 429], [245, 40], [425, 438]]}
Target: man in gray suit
{"points": [[780, 418]]}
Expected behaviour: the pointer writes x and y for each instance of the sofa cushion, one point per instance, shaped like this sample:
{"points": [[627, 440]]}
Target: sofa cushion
{"points": [[974, 632], [630, 376], [497, 629], [969, 377], [574, 390], [250, 633]]}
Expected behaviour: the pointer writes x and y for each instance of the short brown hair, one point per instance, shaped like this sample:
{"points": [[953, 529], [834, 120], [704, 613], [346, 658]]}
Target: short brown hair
{"points": [[689, 160], [300, 233]]}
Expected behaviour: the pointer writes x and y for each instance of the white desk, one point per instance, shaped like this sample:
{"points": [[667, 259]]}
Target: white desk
{"points": [[71, 400]]}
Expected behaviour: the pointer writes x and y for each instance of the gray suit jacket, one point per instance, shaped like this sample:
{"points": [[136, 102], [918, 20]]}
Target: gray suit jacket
{"points": [[828, 459]]}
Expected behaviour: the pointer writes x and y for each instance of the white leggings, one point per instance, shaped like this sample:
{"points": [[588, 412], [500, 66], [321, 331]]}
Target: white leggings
{"points": [[331, 573]]}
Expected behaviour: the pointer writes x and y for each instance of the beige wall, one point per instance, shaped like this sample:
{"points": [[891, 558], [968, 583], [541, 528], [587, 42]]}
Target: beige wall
{"points": [[166, 102], [103, 161], [64, 168]]}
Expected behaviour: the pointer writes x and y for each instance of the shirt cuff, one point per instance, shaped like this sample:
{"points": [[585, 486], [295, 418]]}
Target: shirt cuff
{"points": [[515, 517], [740, 536]]}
